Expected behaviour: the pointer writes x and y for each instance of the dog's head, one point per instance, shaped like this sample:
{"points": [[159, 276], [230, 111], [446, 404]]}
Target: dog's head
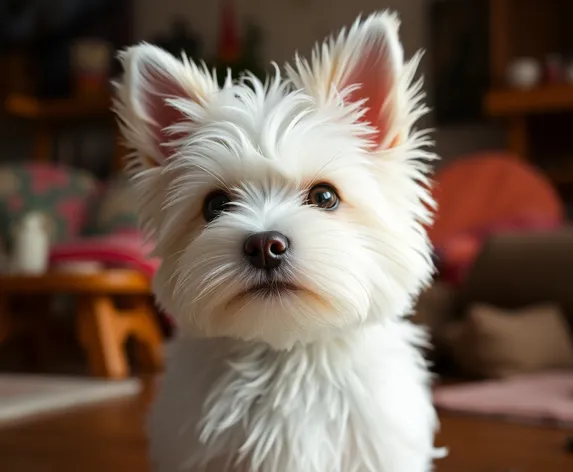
{"points": [[288, 211]]}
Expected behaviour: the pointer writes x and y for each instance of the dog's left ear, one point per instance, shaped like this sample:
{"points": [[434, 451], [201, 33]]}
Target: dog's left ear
{"points": [[364, 67], [156, 93]]}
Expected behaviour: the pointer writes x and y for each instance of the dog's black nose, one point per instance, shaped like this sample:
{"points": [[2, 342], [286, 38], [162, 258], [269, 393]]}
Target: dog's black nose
{"points": [[266, 250]]}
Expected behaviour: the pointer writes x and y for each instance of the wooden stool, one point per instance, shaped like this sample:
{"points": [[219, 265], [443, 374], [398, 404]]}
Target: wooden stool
{"points": [[102, 327]]}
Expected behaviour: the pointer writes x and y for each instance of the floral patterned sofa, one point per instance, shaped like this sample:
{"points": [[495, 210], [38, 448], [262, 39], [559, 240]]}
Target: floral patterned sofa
{"points": [[91, 221]]}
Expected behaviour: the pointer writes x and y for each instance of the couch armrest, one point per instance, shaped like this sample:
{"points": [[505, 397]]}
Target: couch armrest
{"points": [[434, 307], [515, 270]]}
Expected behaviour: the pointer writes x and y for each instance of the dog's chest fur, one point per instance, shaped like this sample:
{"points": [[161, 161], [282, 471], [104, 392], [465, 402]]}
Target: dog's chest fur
{"points": [[361, 404]]}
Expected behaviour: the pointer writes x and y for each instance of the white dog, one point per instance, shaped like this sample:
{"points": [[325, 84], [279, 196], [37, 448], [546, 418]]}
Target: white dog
{"points": [[289, 217]]}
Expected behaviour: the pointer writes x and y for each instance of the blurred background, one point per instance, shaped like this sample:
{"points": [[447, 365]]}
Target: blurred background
{"points": [[78, 326]]}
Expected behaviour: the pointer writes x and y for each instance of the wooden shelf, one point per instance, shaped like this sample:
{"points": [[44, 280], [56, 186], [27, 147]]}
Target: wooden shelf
{"points": [[546, 99], [52, 115], [29, 107]]}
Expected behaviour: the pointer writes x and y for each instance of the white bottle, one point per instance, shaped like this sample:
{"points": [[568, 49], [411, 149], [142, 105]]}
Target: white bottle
{"points": [[524, 73], [31, 246]]}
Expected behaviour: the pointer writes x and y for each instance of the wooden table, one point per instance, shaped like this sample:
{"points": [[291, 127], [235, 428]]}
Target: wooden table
{"points": [[110, 437], [102, 326]]}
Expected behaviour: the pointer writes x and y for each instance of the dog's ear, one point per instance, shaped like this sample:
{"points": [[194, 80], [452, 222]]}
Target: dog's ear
{"points": [[157, 93], [364, 67]]}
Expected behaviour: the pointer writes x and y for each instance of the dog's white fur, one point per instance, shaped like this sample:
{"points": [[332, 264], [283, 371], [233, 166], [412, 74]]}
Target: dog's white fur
{"points": [[328, 379]]}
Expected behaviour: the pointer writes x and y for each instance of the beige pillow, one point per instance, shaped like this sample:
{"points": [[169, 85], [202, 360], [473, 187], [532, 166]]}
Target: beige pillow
{"points": [[497, 343]]}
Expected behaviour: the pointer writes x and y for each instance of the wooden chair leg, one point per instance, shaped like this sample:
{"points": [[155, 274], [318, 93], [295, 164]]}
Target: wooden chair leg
{"points": [[149, 342], [102, 338]]}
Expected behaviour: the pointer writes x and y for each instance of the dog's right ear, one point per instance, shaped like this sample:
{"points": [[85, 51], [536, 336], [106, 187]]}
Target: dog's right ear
{"points": [[158, 92]]}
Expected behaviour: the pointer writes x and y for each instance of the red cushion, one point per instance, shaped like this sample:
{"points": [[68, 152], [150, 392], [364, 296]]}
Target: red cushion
{"points": [[488, 187], [126, 249]]}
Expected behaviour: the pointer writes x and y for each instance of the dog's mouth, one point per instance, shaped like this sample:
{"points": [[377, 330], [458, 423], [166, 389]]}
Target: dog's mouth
{"points": [[274, 290], [265, 290], [271, 289]]}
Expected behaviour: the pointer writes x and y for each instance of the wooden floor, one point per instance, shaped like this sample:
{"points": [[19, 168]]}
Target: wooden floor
{"points": [[109, 438]]}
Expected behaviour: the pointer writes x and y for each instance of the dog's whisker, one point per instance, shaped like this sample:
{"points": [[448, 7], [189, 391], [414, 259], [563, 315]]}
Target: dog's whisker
{"points": [[316, 175]]}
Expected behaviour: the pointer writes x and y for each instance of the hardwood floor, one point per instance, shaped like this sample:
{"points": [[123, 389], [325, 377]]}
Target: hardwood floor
{"points": [[110, 438]]}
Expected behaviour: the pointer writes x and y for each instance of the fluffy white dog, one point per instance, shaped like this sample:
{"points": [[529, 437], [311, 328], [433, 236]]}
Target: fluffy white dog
{"points": [[289, 217]]}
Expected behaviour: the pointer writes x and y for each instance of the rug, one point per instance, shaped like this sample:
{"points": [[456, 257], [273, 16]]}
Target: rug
{"points": [[540, 398], [26, 396]]}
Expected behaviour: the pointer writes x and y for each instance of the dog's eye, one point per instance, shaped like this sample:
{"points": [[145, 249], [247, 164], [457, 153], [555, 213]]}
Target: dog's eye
{"points": [[215, 204], [323, 196]]}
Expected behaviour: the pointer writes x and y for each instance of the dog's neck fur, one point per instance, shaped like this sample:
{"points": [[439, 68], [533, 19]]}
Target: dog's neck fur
{"points": [[298, 409]]}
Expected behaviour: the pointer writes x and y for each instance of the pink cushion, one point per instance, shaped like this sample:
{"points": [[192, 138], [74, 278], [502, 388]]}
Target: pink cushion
{"points": [[457, 257], [125, 249], [538, 398]]}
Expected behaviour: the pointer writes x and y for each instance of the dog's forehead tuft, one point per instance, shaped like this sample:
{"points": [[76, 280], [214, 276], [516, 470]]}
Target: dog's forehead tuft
{"points": [[267, 118]]}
